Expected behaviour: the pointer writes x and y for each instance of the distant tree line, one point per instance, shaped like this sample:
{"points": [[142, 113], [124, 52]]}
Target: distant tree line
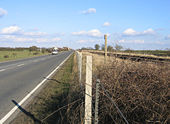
{"points": [[13, 49], [33, 49], [102, 47]]}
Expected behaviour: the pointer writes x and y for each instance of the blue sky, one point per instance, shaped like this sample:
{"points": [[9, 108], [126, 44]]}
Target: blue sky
{"points": [[134, 24]]}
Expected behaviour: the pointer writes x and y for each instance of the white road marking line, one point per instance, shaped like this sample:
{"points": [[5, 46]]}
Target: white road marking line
{"points": [[2, 70], [20, 65], [28, 95]]}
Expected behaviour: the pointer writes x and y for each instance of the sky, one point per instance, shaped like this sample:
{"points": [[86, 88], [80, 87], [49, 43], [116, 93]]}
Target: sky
{"points": [[134, 24]]}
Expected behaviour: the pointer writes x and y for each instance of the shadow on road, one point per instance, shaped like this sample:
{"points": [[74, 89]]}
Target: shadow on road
{"points": [[36, 121]]}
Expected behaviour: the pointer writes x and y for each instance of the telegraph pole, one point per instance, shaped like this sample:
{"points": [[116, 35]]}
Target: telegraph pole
{"points": [[105, 52]]}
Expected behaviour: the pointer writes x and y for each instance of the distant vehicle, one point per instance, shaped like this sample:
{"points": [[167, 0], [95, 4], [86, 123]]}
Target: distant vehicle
{"points": [[54, 53]]}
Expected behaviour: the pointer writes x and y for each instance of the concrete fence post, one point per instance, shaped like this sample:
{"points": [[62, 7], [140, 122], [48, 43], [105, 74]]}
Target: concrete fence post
{"points": [[80, 68], [79, 62], [97, 101], [88, 91]]}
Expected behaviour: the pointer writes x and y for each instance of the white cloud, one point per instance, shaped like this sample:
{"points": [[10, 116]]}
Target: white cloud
{"points": [[132, 32], [15, 30], [89, 11], [3, 12], [94, 33], [17, 34], [14, 38], [55, 39], [79, 33], [17, 38], [131, 41], [35, 34], [85, 41], [11, 30], [149, 31], [82, 41], [91, 33], [106, 24], [167, 37], [40, 40]]}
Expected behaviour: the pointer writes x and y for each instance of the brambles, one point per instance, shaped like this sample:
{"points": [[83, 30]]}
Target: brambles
{"points": [[139, 89]]}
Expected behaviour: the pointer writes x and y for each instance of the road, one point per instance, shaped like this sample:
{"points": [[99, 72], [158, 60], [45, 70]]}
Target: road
{"points": [[18, 78]]}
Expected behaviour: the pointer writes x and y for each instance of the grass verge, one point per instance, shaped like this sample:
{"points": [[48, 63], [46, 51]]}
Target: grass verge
{"points": [[14, 55], [54, 101]]}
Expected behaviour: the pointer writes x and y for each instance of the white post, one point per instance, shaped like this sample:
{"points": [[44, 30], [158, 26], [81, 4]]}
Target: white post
{"points": [[79, 62], [80, 68], [88, 92]]}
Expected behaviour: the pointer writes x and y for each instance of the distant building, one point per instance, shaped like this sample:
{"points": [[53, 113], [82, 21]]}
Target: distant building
{"points": [[66, 48], [61, 49]]}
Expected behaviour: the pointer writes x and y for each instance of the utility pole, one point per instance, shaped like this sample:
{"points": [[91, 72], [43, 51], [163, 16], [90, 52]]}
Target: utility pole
{"points": [[88, 92], [105, 52]]}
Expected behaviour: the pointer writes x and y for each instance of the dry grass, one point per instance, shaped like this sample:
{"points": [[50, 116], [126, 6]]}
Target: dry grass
{"points": [[140, 89]]}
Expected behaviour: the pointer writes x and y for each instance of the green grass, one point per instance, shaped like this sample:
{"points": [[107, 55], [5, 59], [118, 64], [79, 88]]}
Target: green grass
{"points": [[14, 55]]}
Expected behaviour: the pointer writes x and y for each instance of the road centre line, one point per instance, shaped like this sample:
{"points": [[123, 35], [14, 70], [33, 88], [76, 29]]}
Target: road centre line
{"points": [[2, 70], [30, 94], [20, 65]]}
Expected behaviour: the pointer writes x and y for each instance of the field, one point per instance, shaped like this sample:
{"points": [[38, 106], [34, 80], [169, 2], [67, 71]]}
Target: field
{"points": [[14, 55]]}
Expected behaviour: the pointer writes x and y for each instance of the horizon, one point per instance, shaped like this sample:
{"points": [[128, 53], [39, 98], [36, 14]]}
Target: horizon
{"points": [[138, 25]]}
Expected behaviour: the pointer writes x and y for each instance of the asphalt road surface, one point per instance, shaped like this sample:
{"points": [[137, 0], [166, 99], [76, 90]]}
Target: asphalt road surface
{"points": [[18, 78]]}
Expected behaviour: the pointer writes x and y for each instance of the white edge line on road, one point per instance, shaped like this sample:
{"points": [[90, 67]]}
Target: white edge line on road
{"points": [[28, 95], [2, 70]]}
